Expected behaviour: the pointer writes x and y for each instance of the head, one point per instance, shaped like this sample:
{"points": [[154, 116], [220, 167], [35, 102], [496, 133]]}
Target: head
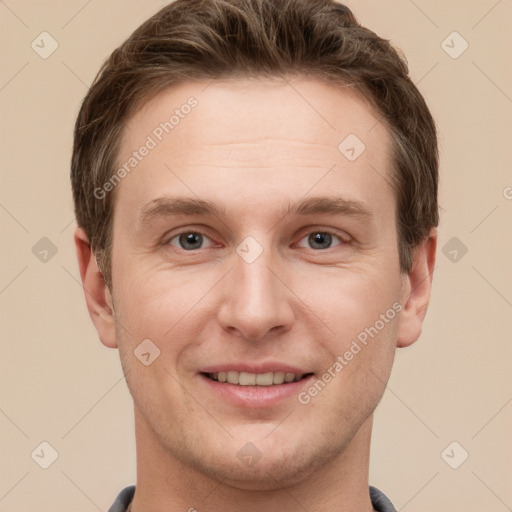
{"points": [[255, 184]]}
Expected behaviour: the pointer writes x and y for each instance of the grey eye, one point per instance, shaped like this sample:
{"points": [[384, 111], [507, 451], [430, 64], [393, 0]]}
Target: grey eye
{"points": [[188, 241], [320, 240]]}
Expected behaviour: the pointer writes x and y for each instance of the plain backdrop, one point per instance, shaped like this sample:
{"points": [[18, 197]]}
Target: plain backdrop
{"points": [[449, 394]]}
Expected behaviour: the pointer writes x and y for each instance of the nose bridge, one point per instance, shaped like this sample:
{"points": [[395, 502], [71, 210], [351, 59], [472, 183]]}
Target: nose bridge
{"points": [[255, 301]]}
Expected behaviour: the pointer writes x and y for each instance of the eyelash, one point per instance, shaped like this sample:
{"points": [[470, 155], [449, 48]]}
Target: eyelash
{"points": [[330, 232]]}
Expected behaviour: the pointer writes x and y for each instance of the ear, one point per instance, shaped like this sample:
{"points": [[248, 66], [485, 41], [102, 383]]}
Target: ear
{"points": [[97, 294], [416, 291]]}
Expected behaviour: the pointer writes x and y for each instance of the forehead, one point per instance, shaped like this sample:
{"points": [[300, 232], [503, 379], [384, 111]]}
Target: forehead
{"points": [[244, 109], [261, 132]]}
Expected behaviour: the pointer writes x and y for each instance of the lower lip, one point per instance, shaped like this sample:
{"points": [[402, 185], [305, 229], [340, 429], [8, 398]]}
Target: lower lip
{"points": [[255, 396]]}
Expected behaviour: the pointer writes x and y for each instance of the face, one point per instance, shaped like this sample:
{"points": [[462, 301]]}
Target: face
{"points": [[250, 246]]}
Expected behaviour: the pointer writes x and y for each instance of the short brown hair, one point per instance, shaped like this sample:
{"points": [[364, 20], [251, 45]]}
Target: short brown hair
{"points": [[191, 40]]}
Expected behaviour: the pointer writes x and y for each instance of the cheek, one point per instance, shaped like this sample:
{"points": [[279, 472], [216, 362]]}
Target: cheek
{"points": [[354, 378], [358, 314], [168, 308], [347, 301], [154, 299]]}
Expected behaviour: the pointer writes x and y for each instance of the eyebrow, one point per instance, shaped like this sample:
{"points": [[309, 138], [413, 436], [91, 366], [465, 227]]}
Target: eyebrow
{"points": [[169, 206], [173, 206], [333, 205]]}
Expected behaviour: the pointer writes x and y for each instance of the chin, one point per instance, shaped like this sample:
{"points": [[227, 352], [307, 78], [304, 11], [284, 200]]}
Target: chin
{"points": [[271, 469], [263, 476]]}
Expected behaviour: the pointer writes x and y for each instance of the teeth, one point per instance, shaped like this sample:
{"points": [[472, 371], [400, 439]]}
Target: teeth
{"points": [[255, 379], [247, 379], [278, 377], [233, 377], [265, 379]]}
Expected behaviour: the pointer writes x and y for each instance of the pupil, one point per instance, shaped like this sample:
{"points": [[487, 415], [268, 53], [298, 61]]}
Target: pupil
{"points": [[320, 240], [191, 240]]}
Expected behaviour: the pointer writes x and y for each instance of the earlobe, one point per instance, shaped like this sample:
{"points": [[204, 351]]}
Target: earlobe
{"points": [[97, 294], [416, 291]]}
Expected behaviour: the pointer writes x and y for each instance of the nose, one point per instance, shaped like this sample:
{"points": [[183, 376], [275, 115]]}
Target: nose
{"points": [[256, 303]]}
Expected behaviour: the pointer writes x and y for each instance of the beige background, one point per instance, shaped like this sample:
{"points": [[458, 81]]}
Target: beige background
{"points": [[59, 384]]}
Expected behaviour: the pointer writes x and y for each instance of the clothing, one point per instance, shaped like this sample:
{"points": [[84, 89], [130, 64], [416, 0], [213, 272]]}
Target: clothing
{"points": [[379, 500]]}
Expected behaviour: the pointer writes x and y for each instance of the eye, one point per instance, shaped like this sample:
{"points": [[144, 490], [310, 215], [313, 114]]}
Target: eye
{"points": [[189, 240], [320, 240]]}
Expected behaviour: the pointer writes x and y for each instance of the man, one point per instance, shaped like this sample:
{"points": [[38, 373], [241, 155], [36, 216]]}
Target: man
{"points": [[255, 184]]}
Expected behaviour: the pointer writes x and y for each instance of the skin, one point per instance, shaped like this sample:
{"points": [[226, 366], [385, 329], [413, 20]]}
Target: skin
{"points": [[254, 147]]}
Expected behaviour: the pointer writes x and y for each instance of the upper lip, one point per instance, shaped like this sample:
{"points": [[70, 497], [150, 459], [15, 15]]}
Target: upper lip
{"points": [[253, 368]]}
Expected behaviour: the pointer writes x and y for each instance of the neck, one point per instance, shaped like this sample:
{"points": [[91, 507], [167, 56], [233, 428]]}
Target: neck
{"points": [[166, 483]]}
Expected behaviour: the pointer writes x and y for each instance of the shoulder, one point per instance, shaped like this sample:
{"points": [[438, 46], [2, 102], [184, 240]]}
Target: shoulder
{"points": [[123, 499], [380, 501]]}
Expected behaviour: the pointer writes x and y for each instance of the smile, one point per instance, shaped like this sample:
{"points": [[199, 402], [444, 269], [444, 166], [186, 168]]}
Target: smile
{"points": [[255, 379]]}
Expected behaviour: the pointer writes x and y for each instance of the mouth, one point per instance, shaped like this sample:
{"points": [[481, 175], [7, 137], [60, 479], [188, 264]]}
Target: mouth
{"points": [[267, 379], [254, 386]]}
